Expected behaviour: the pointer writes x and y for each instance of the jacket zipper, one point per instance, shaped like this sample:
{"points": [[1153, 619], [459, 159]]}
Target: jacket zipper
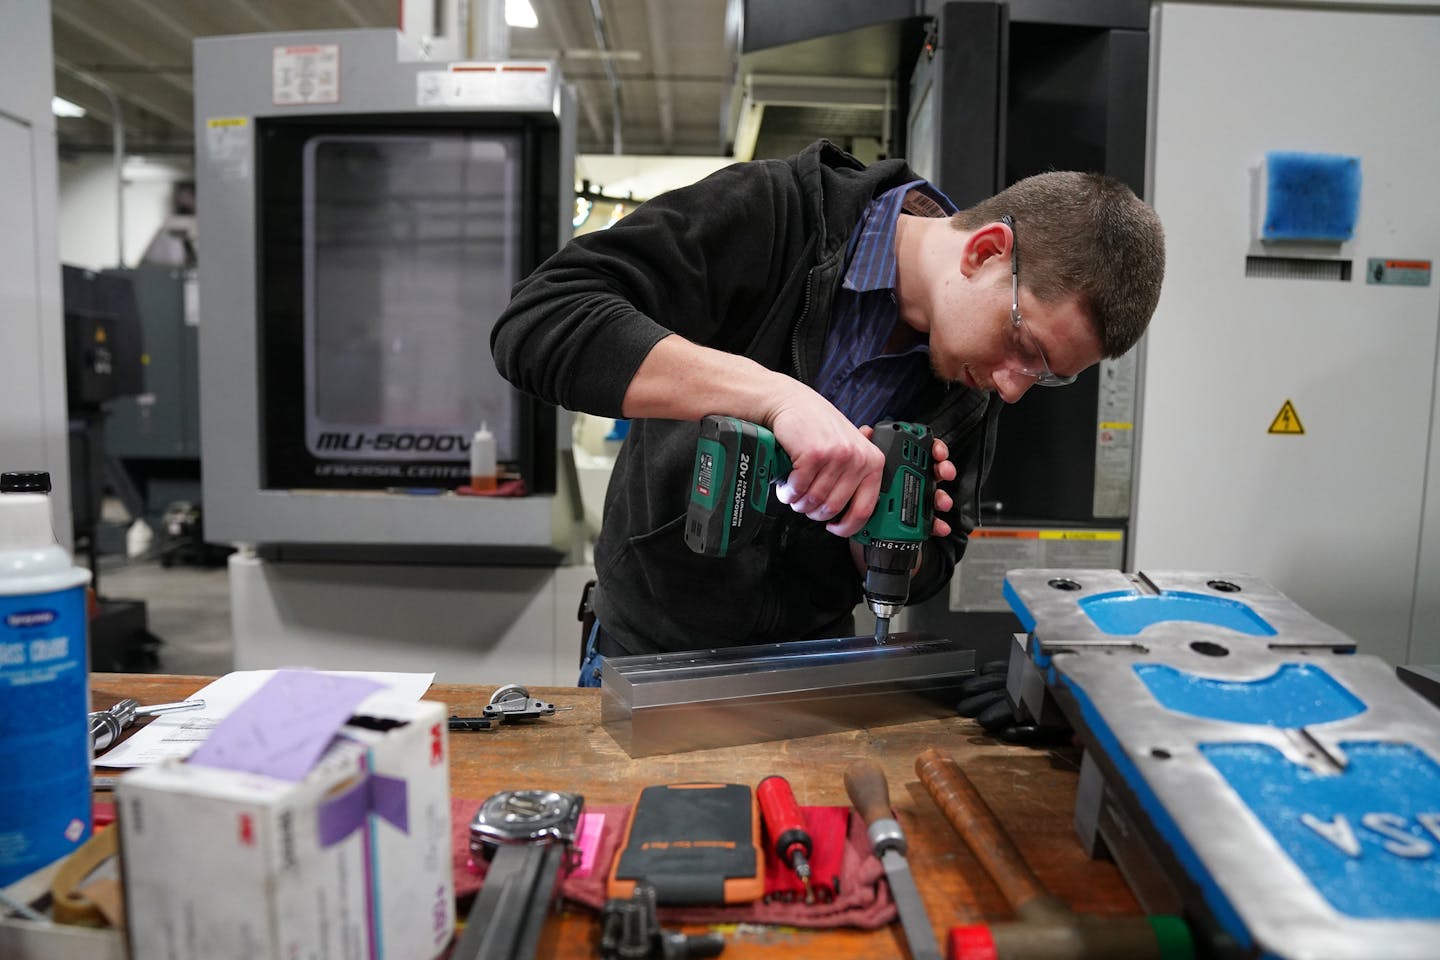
{"points": [[800, 323], [805, 308], [953, 398]]}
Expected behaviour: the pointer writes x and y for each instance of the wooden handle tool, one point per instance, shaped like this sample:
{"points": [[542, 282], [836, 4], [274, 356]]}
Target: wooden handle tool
{"points": [[977, 825]]}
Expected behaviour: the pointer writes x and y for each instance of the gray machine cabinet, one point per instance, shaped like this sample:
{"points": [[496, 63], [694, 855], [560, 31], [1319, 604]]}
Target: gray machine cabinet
{"points": [[241, 84], [164, 421]]}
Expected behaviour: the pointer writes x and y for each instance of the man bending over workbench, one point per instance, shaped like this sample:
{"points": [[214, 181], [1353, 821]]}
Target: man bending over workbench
{"points": [[813, 296]]}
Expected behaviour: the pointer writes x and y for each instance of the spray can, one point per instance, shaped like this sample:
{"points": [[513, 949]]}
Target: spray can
{"points": [[484, 472], [44, 685]]}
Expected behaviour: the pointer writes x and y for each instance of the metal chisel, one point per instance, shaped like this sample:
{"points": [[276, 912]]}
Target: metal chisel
{"points": [[865, 782]]}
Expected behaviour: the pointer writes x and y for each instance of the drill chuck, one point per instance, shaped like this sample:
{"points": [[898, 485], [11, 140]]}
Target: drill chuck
{"points": [[884, 609], [887, 575]]}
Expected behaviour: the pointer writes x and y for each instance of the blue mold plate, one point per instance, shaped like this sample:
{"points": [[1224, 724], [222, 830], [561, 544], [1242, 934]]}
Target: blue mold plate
{"points": [[1368, 838]]}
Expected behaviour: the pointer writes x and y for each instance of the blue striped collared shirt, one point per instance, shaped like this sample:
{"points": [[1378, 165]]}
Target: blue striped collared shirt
{"points": [[863, 381]]}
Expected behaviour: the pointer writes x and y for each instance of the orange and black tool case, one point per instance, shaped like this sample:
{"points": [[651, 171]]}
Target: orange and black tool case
{"points": [[696, 843]]}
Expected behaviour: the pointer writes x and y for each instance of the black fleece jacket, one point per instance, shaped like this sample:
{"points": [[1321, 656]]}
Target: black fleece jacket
{"points": [[747, 261]]}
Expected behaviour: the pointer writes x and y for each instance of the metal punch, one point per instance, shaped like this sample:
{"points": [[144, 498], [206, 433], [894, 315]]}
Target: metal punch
{"points": [[107, 725]]}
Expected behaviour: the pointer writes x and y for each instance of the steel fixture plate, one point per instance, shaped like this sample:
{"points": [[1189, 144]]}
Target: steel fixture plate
{"points": [[1289, 788]]}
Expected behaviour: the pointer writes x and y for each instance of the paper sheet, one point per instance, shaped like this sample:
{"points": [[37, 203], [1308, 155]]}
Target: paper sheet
{"points": [[286, 725], [177, 735]]}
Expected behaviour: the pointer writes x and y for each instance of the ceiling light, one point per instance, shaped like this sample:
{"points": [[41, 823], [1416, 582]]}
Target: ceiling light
{"points": [[64, 108], [519, 13]]}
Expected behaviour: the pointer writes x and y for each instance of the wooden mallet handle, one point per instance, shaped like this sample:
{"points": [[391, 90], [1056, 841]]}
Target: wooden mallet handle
{"points": [[978, 827]]}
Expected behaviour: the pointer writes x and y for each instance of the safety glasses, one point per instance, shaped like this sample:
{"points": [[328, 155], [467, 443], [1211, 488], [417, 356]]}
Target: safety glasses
{"points": [[1027, 348]]}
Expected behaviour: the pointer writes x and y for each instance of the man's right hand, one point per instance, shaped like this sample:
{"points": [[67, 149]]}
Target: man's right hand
{"points": [[834, 463]]}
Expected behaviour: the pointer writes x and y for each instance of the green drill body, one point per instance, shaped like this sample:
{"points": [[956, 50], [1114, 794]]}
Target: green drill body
{"points": [[732, 489]]}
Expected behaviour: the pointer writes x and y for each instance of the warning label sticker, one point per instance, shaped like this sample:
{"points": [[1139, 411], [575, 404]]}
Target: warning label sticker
{"points": [[1399, 273], [979, 580], [1287, 420]]}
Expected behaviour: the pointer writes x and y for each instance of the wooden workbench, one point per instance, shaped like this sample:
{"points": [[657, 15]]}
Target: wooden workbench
{"points": [[1032, 792]]}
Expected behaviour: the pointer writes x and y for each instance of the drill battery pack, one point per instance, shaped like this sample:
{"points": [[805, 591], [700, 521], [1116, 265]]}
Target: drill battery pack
{"points": [[695, 843]]}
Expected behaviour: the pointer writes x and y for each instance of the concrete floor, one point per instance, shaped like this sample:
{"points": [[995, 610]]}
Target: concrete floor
{"points": [[188, 609]]}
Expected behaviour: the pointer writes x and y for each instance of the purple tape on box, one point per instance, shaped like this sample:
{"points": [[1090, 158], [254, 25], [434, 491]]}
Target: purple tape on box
{"points": [[282, 729], [343, 815]]}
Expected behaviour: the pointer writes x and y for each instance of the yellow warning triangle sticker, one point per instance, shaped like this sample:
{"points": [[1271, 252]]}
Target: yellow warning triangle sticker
{"points": [[1287, 420]]}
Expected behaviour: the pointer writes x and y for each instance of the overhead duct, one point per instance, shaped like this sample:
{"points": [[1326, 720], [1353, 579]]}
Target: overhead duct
{"points": [[840, 86], [781, 113]]}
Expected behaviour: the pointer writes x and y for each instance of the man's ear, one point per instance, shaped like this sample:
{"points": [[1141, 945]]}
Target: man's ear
{"points": [[983, 244]]}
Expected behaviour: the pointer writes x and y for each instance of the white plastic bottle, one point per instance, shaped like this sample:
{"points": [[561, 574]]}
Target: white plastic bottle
{"points": [[484, 474], [44, 685]]}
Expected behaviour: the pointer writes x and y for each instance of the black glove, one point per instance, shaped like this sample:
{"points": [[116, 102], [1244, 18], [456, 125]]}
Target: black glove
{"points": [[983, 697]]}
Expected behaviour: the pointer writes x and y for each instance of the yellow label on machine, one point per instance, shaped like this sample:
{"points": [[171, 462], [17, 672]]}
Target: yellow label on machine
{"points": [[1081, 534], [1013, 533], [1287, 420]]}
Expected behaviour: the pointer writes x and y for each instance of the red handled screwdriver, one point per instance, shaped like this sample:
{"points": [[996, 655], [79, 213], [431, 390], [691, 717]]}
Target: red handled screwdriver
{"points": [[787, 828]]}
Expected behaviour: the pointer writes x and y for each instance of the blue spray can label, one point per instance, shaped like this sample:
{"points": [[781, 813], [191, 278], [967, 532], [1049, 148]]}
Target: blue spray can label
{"points": [[44, 730], [44, 685]]}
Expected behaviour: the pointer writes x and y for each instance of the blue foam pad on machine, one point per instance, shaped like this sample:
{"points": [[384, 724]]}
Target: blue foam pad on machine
{"points": [[1310, 196], [1126, 614], [1296, 695]]}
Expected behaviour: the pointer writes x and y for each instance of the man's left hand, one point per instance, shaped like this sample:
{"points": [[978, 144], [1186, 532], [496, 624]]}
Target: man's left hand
{"points": [[944, 473]]}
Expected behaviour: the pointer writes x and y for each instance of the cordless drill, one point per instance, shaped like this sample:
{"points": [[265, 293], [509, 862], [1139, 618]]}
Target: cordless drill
{"points": [[737, 464]]}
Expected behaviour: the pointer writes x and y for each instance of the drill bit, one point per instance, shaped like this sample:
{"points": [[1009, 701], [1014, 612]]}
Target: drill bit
{"points": [[802, 870], [882, 629]]}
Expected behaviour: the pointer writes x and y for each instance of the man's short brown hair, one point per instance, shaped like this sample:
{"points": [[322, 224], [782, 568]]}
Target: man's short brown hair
{"points": [[1088, 235]]}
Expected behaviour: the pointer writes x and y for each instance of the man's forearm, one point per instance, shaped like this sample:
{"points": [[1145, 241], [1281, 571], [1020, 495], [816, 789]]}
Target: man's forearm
{"points": [[680, 380]]}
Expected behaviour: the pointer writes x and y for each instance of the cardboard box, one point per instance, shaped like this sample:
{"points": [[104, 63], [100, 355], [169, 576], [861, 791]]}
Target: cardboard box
{"points": [[410, 857], [351, 862]]}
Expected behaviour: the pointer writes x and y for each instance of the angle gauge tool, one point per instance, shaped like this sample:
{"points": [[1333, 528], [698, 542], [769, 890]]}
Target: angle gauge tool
{"points": [[527, 837]]}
